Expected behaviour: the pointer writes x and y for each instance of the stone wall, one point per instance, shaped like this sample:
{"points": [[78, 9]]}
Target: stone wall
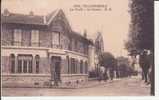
{"points": [[5, 64], [73, 78], [24, 80], [39, 80]]}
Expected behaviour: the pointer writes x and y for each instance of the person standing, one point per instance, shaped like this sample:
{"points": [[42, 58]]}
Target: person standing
{"points": [[144, 64]]}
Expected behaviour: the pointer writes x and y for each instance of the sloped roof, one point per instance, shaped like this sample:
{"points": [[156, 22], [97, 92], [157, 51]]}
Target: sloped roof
{"points": [[15, 18], [28, 19], [22, 19], [79, 36]]}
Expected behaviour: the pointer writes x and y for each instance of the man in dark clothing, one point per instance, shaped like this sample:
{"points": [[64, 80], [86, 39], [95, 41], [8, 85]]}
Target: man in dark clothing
{"points": [[144, 64]]}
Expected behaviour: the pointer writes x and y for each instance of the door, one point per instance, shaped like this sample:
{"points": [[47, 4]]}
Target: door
{"points": [[56, 68]]}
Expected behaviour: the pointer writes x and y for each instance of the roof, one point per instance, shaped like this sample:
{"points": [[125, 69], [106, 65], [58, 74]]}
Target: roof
{"points": [[79, 36], [22, 19], [15, 18], [28, 19]]}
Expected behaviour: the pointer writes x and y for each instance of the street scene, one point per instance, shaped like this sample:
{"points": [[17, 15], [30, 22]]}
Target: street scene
{"points": [[118, 87], [86, 48]]}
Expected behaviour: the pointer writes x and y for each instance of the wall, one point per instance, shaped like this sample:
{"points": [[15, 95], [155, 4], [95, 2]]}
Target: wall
{"points": [[6, 51], [25, 80], [6, 35]]}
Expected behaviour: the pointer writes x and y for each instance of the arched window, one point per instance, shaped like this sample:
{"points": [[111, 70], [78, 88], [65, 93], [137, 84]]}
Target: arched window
{"points": [[24, 63], [12, 62], [37, 60]]}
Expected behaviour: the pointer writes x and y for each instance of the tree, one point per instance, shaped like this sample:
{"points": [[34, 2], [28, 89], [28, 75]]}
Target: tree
{"points": [[141, 35], [124, 68], [107, 60]]}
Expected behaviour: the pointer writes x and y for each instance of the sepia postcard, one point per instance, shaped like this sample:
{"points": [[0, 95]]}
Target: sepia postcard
{"points": [[77, 48]]}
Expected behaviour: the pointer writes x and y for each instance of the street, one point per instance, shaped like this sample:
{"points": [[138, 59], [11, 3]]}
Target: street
{"points": [[133, 86]]}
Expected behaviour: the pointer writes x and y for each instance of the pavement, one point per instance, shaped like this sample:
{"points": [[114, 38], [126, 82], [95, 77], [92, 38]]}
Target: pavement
{"points": [[133, 86]]}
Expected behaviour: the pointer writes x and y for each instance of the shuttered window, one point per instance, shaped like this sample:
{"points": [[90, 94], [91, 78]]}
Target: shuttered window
{"points": [[55, 38], [35, 37], [17, 37]]}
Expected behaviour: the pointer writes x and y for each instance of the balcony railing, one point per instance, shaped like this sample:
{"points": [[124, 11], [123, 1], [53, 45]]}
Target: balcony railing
{"points": [[38, 44], [32, 44], [56, 46]]}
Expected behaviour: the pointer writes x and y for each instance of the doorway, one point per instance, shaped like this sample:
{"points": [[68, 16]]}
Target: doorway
{"points": [[56, 69]]}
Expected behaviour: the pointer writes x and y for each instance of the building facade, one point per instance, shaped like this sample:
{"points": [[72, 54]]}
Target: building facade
{"points": [[37, 49]]}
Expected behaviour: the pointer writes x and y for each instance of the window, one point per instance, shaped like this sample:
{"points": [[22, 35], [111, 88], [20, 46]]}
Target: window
{"points": [[81, 66], [25, 63], [37, 58], [68, 62], [86, 67], [55, 39], [35, 37], [25, 66], [17, 37], [12, 60], [73, 66], [76, 61], [76, 47], [70, 44], [85, 49], [30, 66], [19, 66]]}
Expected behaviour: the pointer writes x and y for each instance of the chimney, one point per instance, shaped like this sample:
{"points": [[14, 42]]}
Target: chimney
{"points": [[44, 19], [6, 12], [85, 33], [31, 13]]}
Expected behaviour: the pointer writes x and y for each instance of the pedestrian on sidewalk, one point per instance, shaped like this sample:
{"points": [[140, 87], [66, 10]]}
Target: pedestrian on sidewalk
{"points": [[144, 64], [111, 72], [101, 73], [105, 76]]}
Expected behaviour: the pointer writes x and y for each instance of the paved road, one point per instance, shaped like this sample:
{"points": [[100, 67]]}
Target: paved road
{"points": [[123, 87]]}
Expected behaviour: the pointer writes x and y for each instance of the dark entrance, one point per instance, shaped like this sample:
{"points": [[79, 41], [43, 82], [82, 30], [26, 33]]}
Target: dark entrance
{"points": [[56, 69]]}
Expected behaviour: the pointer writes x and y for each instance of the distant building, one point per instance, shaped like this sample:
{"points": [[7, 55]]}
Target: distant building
{"points": [[99, 44], [35, 48], [97, 49]]}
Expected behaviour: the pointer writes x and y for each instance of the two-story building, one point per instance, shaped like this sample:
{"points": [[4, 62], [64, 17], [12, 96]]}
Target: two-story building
{"points": [[35, 48]]}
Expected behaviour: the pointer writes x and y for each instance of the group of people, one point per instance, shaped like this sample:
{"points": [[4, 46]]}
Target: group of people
{"points": [[105, 74], [146, 63], [109, 73]]}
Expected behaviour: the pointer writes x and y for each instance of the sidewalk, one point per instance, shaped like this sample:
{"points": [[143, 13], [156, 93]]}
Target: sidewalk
{"points": [[88, 84]]}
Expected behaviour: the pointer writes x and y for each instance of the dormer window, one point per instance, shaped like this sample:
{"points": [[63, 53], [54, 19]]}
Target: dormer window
{"points": [[31, 13]]}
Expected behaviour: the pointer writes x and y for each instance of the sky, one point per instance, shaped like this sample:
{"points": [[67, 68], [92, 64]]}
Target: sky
{"points": [[113, 24]]}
